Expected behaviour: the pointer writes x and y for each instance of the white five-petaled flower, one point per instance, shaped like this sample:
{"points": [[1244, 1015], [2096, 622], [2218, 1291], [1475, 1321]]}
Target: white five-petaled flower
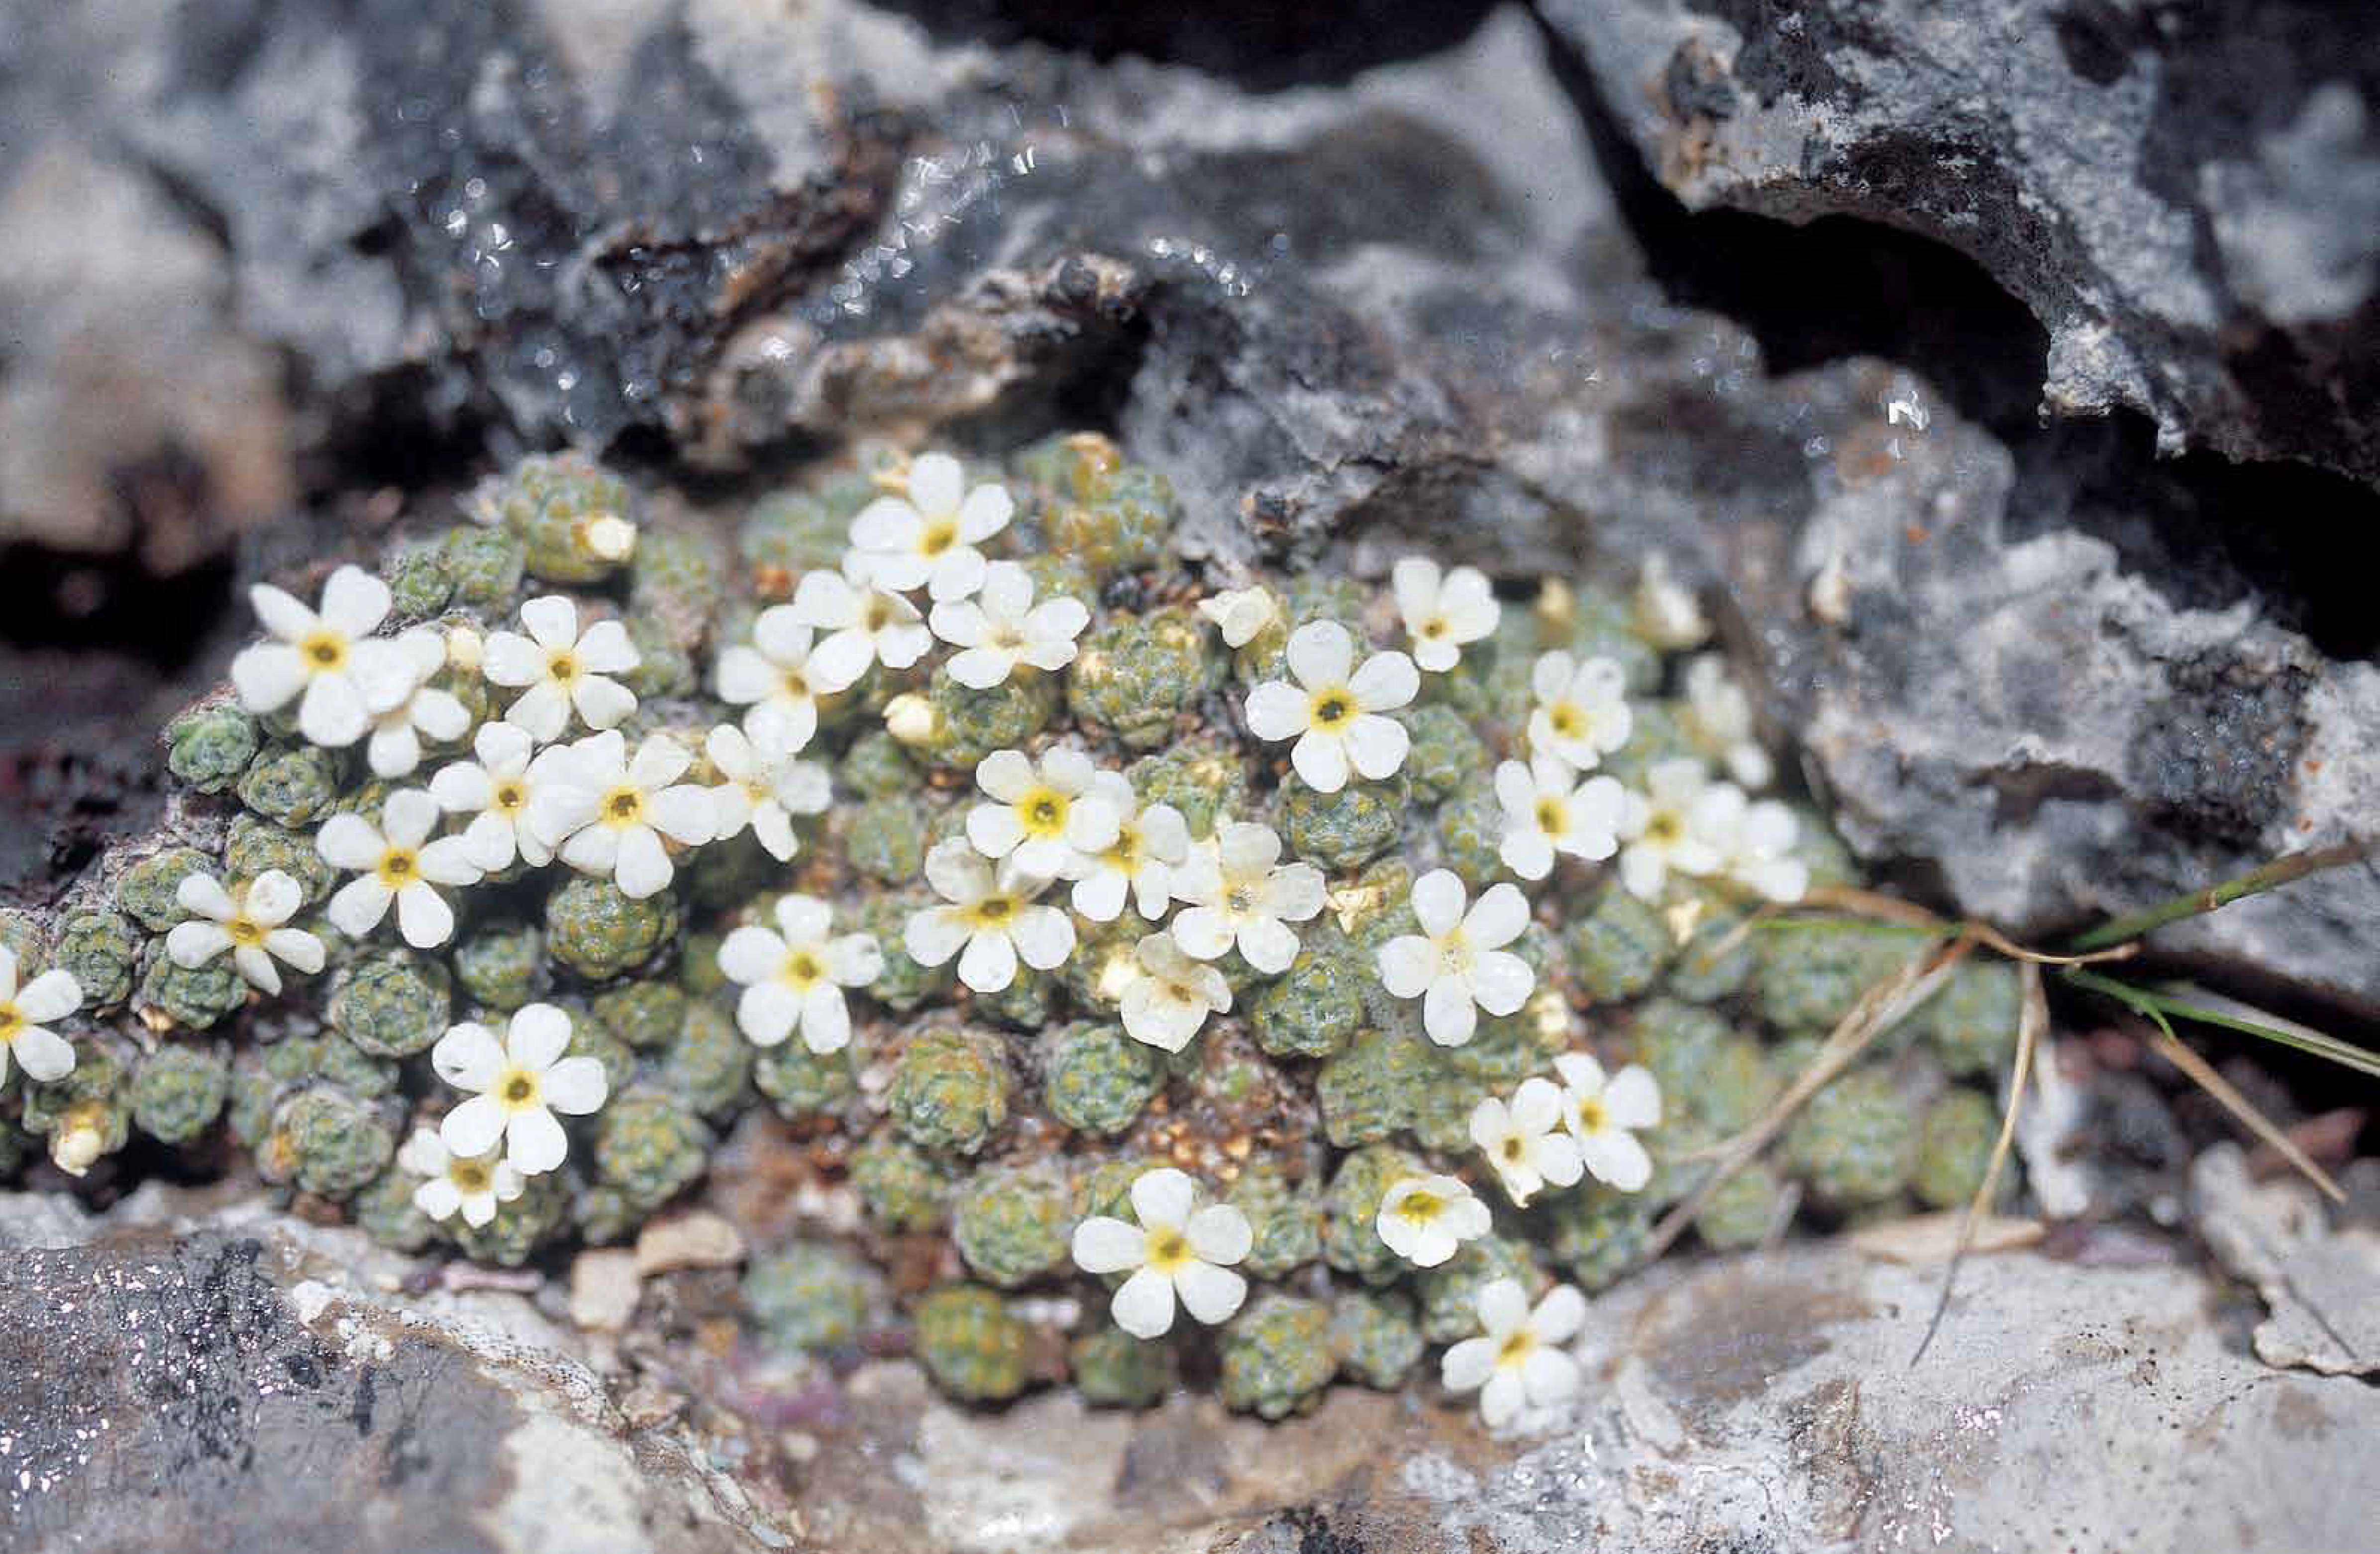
{"points": [[250, 922], [1666, 614], [927, 538], [1457, 964], [1443, 613], [1755, 842], [1151, 846], [606, 814], [396, 861], [991, 921], [1580, 713], [1048, 822], [1604, 1114], [1549, 808], [1519, 1360], [25, 1014], [1426, 1220], [1178, 1248], [1241, 613], [1524, 1140], [1334, 709], [469, 1185], [1240, 893], [766, 787], [558, 667], [1002, 627], [495, 791], [1171, 999], [418, 708], [863, 625], [344, 676], [770, 679], [517, 1085], [1718, 718], [1669, 827], [793, 977]]}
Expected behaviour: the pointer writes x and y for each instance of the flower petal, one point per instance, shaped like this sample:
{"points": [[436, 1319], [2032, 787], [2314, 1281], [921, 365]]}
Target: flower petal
{"points": [[934, 935], [1438, 901], [1448, 1013], [768, 1012], [1468, 1365], [989, 962], [642, 868], [354, 601], [423, 918], [267, 675], [473, 1128], [333, 713], [1386, 681], [1320, 760], [1162, 1197], [1044, 937], [1103, 1245], [1499, 981], [1376, 746], [574, 1087], [1615, 1158], [1408, 965], [193, 944], [826, 1020], [534, 1142], [1633, 1099], [467, 1057], [1142, 1307], [1209, 1293], [607, 649], [1321, 653], [359, 906], [1219, 1233]]}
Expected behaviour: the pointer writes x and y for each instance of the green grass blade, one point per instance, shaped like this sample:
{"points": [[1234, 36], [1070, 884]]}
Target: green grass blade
{"points": [[2182, 1002]]}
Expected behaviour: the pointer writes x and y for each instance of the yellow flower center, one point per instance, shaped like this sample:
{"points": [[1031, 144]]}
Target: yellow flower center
{"points": [[10, 1022], [1331, 708], [399, 867], [563, 667], [796, 686], [1551, 816], [1168, 1250], [1125, 854], [941, 535], [517, 1088], [1663, 826], [1042, 811], [993, 912], [245, 931], [1566, 718], [1434, 627], [323, 650], [508, 796], [1592, 1118], [1515, 1347], [1241, 900], [1421, 1207], [876, 614], [803, 970], [622, 806], [1514, 1150], [470, 1175]]}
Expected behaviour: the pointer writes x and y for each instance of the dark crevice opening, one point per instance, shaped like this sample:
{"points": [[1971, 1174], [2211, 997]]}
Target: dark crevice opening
{"points": [[1263, 45], [2204, 530]]}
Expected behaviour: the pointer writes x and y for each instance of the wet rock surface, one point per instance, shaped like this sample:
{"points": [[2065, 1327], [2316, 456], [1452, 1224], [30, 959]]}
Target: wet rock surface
{"points": [[2188, 202]]}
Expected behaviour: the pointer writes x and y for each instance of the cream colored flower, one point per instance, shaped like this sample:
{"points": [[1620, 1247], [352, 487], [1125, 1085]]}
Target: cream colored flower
{"points": [[419, 710], [927, 537], [250, 922], [1334, 709], [793, 977], [495, 791], [1151, 844], [607, 815], [1049, 821], [1523, 1141], [469, 1185], [1171, 999], [1717, 720], [766, 787], [1666, 614], [517, 1085], [1426, 1220], [1241, 895], [1177, 1249], [1548, 809], [330, 659], [1582, 709], [1241, 613], [862, 625], [1675, 826], [1443, 613], [396, 861], [990, 920], [557, 668], [770, 679], [1519, 1359], [1003, 627], [1457, 964], [25, 1017], [1604, 1115]]}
